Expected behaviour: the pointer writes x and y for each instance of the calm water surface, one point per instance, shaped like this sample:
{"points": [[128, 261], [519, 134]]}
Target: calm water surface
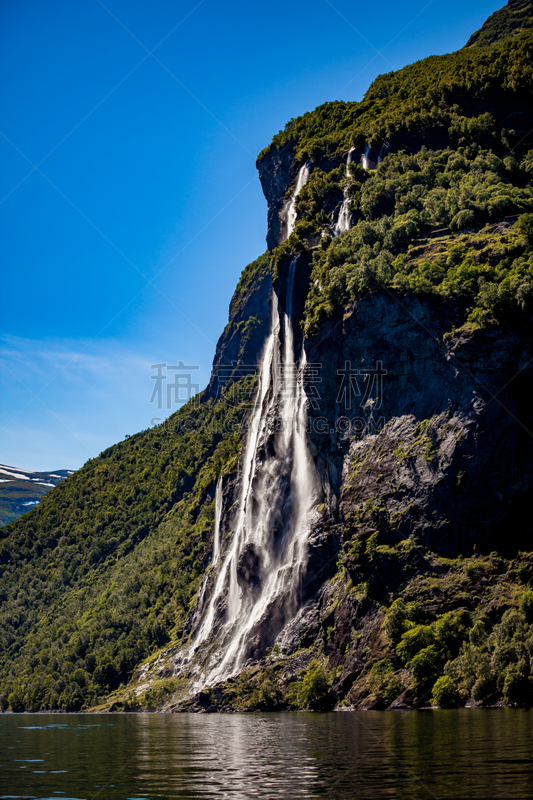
{"points": [[458, 754]]}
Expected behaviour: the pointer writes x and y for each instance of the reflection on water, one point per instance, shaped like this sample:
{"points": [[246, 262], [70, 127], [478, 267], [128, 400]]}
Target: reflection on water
{"points": [[443, 754]]}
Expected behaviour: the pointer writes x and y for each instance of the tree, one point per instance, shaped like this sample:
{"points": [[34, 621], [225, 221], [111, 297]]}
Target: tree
{"points": [[525, 226], [526, 601], [445, 693], [314, 692]]}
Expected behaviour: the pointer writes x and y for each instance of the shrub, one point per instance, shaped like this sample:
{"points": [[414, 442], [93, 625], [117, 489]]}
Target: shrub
{"points": [[267, 694], [525, 226], [372, 545], [415, 640], [450, 630], [105, 674], [79, 676], [484, 688], [517, 688], [314, 692], [395, 620], [526, 601], [400, 618], [425, 668], [383, 682], [158, 694], [445, 693], [15, 702]]}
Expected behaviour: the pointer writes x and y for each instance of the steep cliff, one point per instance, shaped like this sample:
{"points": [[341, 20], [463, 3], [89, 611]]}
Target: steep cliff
{"points": [[343, 516]]}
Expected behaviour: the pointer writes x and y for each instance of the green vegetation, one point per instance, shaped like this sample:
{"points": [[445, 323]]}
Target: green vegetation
{"points": [[103, 573], [445, 693], [314, 692], [251, 276], [490, 272], [383, 682], [456, 654], [442, 100], [425, 649], [256, 689], [426, 220], [496, 662], [508, 22], [526, 605], [400, 619]]}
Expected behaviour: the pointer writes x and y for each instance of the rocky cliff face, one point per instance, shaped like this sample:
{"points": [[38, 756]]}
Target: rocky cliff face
{"points": [[239, 347], [435, 432], [276, 172]]}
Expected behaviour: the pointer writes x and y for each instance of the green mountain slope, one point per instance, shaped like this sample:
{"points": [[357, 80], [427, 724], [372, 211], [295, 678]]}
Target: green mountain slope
{"points": [[103, 571], [419, 576], [507, 23], [441, 100]]}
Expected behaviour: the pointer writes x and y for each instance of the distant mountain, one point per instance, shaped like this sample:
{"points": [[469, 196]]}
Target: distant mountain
{"points": [[20, 490]]}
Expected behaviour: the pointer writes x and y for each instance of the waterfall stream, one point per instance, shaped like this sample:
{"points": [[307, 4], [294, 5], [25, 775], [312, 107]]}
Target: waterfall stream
{"points": [[289, 212], [344, 221], [258, 578], [368, 162], [365, 158], [218, 519]]}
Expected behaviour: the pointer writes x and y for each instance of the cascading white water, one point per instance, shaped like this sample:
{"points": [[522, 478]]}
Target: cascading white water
{"points": [[344, 221], [260, 574], [365, 158], [218, 519], [289, 211]]}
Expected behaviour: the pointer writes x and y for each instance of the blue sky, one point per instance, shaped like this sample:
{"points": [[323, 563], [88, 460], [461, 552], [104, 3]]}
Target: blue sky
{"points": [[129, 198]]}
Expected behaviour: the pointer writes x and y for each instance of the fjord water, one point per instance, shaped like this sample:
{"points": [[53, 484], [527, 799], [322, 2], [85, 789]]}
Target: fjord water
{"points": [[470, 753]]}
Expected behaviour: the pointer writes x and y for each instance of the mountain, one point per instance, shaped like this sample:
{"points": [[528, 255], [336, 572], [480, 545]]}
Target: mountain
{"points": [[507, 23], [342, 517], [20, 490]]}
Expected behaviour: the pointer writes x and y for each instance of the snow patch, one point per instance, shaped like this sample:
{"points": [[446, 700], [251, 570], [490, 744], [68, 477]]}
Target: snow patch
{"points": [[18, 475]]}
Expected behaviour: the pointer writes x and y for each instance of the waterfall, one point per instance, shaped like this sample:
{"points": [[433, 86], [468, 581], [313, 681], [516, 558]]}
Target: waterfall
{"points": [[289, 209], [256, 591], [367, 162], [365, 158], [344, 221], [218, 518]]}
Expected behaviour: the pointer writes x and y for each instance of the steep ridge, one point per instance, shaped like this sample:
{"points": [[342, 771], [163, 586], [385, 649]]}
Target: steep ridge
{"points": [[341, 518]]}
